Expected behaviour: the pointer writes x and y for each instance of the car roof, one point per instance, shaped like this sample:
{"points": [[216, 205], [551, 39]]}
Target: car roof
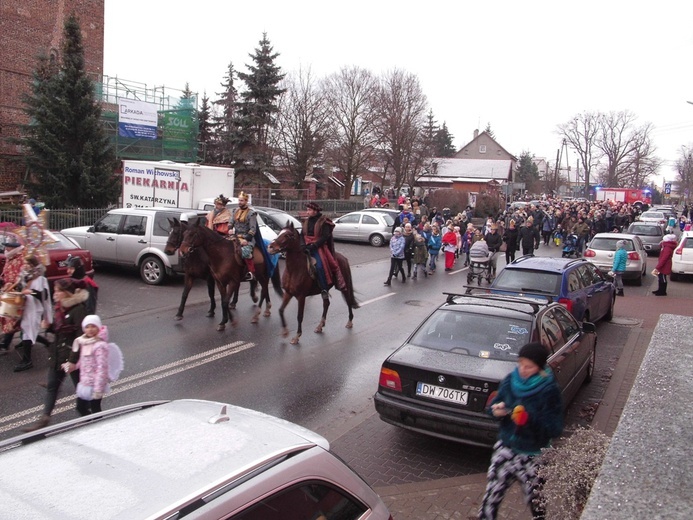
{"points": [[545, 263], [495, 304], [144, 460]]}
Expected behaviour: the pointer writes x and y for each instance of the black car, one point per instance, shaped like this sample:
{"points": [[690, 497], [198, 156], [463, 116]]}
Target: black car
{"points": [[440, 381]]}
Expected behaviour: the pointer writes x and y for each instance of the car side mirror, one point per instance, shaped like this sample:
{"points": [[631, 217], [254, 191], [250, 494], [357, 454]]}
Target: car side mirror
{"points": [[91, 229], [588, 326]]}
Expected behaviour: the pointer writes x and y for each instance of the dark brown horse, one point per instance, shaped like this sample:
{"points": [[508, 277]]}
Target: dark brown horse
{"points": [[228, 268], [196, 267], [298, 283]]}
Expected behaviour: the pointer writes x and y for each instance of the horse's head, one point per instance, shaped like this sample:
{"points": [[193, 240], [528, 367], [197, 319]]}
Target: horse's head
{"points": [[175, 236], [192, 238], [287, 239]]}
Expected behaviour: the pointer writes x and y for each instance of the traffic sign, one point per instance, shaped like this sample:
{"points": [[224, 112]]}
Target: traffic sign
{"points": [[667, 188]]}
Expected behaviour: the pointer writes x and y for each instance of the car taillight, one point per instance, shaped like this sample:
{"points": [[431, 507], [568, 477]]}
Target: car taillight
{"points": [[390, 379], [679, 250], [490, 398], [589, 253], [633, 256], [568, 304]]}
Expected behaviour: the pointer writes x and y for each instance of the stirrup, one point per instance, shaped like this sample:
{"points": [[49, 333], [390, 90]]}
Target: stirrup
{"points": [[249, 276]]}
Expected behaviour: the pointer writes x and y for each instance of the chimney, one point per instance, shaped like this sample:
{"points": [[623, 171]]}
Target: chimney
{"points": [[476, 133]]}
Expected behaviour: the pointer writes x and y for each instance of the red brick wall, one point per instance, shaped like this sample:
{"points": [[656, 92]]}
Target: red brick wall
{"points": [[28, 28]]}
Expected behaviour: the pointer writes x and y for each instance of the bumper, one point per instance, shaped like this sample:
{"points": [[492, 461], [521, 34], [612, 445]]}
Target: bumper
{"points": [[631, 273], [473, 428]]}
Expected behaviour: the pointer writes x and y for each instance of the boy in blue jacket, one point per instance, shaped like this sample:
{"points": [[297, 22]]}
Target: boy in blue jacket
{"points": [[530, 410]]}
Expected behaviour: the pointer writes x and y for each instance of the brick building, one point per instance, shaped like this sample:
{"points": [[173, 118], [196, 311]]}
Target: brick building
{"points": [[27, 29]]}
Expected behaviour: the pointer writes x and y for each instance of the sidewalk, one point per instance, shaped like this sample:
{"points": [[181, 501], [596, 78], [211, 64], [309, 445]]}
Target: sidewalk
{"points": [[460, 497]]}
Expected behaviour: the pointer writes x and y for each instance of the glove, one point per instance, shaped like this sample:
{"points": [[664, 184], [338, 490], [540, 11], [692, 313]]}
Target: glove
{"points": [[519, 415]]}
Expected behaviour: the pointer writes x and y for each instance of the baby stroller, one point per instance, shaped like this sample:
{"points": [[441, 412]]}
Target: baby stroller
{"points": [[479, 263], [570, 246]]}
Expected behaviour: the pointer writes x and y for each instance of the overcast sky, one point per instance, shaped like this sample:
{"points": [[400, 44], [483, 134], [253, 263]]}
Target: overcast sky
{"points": [[523, 67]]}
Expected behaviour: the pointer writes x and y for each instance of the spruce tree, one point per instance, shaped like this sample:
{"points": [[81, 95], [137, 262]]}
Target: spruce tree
{"points": [[226, 142], [444, 144], [258, 106], [204, 116], [69, 157]]}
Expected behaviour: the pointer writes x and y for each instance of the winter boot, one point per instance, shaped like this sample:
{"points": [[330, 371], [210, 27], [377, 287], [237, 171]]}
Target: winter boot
{"points": [[25, 352], [619, 292], [251, 269]]}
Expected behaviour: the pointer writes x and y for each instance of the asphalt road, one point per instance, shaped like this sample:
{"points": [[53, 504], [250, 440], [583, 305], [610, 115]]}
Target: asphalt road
{"points": [[325, 383]]}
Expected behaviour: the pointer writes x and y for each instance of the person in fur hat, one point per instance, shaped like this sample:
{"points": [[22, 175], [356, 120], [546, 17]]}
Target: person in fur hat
{"points": [[92, 349], [68, 312], [530, 410], [218, 219]]}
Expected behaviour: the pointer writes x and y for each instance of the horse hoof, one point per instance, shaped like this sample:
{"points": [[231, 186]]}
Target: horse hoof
{"points": [[349, 325], [318, 330], [294, 341], [178, 318], [254, 320], [267, 314], [285, 333], [209, 315], [221, 327], [232, 306]]}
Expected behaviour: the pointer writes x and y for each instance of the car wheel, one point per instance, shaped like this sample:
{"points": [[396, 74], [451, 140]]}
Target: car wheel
{"points": [[152, 271], [376, 240], [590, 367], [610, 313]]}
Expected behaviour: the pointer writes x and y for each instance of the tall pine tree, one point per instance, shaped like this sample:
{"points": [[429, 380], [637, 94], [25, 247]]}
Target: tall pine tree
{"points": [[69, 157], [204, 135], [444, 144], [258, 107], [224, 148]]}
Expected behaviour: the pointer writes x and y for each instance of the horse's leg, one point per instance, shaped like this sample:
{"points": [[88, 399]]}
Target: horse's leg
{"points": [[258, 309], [299, 317], [210, 292], [232, 288], [265, 295], [188, 282], [325, 306], [234, 300], [225, 294], [285, 301]]}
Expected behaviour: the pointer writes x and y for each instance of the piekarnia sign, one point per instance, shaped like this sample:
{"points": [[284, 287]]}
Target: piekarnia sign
{"points": [[137, 119], [154, 178]]}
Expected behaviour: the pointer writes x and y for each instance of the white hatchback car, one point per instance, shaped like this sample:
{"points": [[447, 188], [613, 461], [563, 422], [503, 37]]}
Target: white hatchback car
{"points": [[600, 251], [654, 217], [186, 458], [682, 260], [364, 226]]}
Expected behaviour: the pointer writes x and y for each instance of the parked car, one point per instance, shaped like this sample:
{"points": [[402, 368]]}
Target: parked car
{"points": [[171, 459], [682, 259], [440, 381], [134, 237], [654, 217], [650, 234], [392, 212], [600, 251], [576, 284], [58, 253], [364, 226], [277, 219]]}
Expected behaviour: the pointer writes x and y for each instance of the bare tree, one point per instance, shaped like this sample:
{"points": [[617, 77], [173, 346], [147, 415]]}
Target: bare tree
{"points": [[400, 107], [352, 138], [684, 170], [581, 134], [621, 140], [641, 164], [302, 125]]}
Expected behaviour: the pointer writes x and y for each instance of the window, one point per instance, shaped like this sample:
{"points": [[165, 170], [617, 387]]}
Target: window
{"points": [[551, 333], [108, 224], [350, 219], [134, 225], [573, 281], [162, 226], [314, 500], [567, 322], [367, 219], [482, 148]]}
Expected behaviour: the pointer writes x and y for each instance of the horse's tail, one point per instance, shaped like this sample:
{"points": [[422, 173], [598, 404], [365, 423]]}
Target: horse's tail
{"points": [[349, 295], [277, 282]]}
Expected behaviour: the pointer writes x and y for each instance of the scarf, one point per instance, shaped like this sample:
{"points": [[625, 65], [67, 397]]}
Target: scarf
{"points": [[532, 385]]}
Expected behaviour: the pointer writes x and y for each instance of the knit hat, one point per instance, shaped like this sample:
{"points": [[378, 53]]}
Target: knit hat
{"points": [[398, 229], [669, 238], [621, 244], [92, 319], [74, 262], [535, 352], [314, 206]]}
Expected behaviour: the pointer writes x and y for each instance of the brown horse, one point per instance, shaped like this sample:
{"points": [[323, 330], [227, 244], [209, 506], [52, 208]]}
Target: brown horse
{"points": [[196, 267], [298, 283], [228, 268]]}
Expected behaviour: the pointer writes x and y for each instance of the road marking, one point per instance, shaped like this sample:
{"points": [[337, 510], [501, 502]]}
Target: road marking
{"points": [[133, 381], [373, 300]]}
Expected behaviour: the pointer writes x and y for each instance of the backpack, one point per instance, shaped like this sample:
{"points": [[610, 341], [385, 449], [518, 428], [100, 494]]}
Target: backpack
{"points": [[115, 362]]}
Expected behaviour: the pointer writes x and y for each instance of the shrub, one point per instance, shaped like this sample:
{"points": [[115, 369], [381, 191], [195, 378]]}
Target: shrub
{"points": [[569, 470], [441, 198]]}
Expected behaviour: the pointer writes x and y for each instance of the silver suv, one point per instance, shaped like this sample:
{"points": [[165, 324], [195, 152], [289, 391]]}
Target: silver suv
{"points": [[175, 459], [134, 237]]}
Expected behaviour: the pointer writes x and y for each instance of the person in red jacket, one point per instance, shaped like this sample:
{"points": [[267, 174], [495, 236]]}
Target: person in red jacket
{"points": [[449, 246], [664, 264]]}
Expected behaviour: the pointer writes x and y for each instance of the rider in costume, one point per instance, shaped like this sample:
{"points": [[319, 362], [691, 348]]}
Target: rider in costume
{"points": [[245, 228], [11, 277], [317, 235], [218, 219]]}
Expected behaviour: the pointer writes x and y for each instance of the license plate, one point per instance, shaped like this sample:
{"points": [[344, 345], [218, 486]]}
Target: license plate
{"points": [[440, 393]]}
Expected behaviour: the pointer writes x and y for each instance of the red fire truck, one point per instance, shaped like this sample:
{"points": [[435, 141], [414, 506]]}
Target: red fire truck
{"points": [[634, 196]]}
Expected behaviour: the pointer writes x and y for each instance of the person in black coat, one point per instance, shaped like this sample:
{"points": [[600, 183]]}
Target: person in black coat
{"points": [[494, 242], [527, 235], [510, 237]]}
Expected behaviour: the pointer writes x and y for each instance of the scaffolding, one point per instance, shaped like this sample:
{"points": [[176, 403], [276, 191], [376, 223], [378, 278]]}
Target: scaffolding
{"points": [[171, 143]]}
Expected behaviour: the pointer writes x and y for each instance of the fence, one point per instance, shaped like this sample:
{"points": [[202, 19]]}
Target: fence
{"points": [[65, 218]]}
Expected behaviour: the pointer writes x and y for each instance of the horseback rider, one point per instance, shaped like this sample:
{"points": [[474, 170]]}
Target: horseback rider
{"points": [[317, 236], [244, 224], [218, 218]]}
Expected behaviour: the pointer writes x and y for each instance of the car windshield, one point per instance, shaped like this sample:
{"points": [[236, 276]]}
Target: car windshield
{"points": [[609, 244], [475, 335], [528, 280], [647, 231], [652, 214]]}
